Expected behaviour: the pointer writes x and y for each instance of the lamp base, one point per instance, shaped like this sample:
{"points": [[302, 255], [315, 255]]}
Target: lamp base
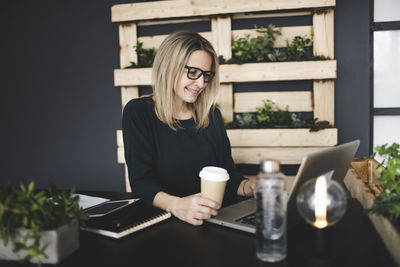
{"points": [[316, 261]]}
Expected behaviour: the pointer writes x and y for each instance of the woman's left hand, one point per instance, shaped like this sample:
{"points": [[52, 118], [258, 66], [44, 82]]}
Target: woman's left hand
{"points": [[247, 188]]}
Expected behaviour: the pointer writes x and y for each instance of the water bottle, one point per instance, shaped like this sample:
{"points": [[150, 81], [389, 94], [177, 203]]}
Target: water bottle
{"points": [[271, 212]]}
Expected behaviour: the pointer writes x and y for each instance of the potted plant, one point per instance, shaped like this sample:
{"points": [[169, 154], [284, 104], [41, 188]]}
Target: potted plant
{"points": [[41, 227], [387, 203], [377, 187], [271, 116]]}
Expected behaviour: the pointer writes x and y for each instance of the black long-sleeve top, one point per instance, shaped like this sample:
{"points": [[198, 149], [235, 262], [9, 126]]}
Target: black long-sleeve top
{"points": [[161, 159]]}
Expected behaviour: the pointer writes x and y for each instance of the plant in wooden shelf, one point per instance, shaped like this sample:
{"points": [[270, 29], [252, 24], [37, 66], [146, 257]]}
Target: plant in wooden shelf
{"points": [[247, 49], [315, 125], [256, 49], [271, 116], [260, 48], [296, 50], [253, 49], [145, 57], [388, 202], [34, 226]]}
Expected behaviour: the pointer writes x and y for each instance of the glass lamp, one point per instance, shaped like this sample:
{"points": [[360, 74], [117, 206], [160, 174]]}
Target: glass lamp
{"points": [[321, 202]]}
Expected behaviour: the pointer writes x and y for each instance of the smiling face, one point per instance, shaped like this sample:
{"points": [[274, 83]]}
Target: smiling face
{"points": [[187, 90]]}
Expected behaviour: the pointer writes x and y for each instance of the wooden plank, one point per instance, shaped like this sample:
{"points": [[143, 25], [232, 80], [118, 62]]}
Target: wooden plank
{"points": [[176, 8], [254, 155], [156, 40], [282, 137], [279, 71], [323, 26], [120, 140], [120, 155], [127, 183], [324, 101], [288, 33], [251, 72], [171, 21], [127, 41], [121, 159], [270, 15], [221, 35], [128, 93], [132, 77], [225, 101], [297, 101]]}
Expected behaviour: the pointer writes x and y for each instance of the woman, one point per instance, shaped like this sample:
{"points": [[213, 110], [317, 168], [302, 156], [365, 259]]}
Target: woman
{"points": [[170, 136]]}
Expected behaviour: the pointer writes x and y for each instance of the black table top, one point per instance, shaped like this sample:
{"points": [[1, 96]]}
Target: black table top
{"points": [[352, 242]]}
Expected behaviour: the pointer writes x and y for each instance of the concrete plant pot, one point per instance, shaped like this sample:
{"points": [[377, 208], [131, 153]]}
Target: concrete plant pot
{"points": [[61, 243]]}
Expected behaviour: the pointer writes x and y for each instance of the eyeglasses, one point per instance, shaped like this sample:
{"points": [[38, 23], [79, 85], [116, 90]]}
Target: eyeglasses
{"points": [[195, 73]]}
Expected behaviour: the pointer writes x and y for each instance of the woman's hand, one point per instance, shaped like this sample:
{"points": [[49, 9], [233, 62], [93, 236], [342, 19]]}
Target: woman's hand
{"points": [[247, 188], [193, 209]]}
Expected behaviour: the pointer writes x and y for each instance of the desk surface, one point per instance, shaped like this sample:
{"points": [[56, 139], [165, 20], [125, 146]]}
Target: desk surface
{"points": [[352, 242]]}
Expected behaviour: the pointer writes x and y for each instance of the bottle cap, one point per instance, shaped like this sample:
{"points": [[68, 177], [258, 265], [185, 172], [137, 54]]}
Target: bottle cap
{"points": [[270, 166]]}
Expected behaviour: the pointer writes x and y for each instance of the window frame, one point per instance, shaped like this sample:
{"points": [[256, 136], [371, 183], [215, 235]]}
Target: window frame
{"points": [[377, 26]]}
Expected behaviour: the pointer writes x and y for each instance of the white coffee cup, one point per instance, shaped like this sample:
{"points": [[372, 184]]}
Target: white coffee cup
{"points": [[213, 183]]}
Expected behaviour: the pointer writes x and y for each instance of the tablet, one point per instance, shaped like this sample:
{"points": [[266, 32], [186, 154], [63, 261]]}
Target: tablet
{"points": [[108, 207]]}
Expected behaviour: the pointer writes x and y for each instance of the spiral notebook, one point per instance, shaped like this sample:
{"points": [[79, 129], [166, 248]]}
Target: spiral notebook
{"points": [[126, 220]]}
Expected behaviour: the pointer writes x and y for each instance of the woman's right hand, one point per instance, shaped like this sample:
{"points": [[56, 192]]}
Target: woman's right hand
{"points": [[193, 209]]}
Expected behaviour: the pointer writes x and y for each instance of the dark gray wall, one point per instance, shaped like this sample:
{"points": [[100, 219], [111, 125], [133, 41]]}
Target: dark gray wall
{"points": [[352, 93], [59, 109]]}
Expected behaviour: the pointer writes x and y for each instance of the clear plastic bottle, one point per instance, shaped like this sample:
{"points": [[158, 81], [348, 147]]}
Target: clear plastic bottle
{"points": [[271, 244]]}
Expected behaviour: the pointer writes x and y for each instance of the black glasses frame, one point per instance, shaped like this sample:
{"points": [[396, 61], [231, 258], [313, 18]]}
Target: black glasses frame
{"points": [[208, 73]]}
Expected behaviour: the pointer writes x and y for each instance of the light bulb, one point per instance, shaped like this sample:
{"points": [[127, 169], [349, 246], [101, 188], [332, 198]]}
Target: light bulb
{"points": [[321, 202]]}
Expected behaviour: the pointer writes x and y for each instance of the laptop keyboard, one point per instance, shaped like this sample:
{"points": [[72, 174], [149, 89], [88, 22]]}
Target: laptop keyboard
{"points": [[248, 219]]}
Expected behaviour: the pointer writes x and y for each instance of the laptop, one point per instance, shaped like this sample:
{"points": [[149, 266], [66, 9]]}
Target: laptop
{"points": [[335, 161]]}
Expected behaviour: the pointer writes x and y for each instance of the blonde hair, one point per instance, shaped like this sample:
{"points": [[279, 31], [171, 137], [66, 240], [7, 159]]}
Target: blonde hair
{"points": [[168, 67]]}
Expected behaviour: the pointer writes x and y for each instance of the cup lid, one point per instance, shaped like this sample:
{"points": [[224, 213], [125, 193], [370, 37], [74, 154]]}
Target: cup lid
{"points": [[215, 174]]}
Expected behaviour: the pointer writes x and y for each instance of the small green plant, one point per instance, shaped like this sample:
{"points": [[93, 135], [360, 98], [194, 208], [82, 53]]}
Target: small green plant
{"points": [[271, 115], [255, 49], [296, 50], [145, 57], [315, 125], [388, 202], [260, 49], [22, 209], [267, 116], [265, 113], [277, 55], [296, 121], [246, 120], [241, 50]]}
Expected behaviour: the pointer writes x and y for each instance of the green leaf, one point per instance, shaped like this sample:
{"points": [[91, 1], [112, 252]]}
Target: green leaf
{"points": [[31, 187], [388, 202]]}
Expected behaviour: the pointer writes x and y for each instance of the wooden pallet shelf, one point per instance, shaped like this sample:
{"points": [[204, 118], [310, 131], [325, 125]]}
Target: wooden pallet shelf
{"points": [[249, 146]]}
